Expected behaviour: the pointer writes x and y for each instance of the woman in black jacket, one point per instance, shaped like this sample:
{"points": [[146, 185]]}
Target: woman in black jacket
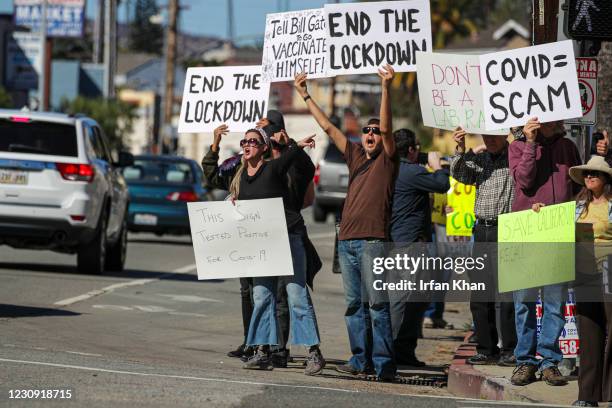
{"points": [[258, 178]]}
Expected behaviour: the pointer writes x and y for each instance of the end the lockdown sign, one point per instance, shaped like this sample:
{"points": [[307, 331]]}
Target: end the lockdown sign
{"points": [[236, 96]]}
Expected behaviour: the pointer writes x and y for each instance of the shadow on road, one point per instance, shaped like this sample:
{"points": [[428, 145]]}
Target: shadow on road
{"points": [[158, 242], [126, 274], [28, 311]]}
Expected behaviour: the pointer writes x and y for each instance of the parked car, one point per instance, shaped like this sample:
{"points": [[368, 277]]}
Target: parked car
{"points": [[331, 183], [160, 188], [61, 190]]}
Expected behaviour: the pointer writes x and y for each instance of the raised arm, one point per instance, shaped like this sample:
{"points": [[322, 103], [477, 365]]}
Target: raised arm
{"points": [[523, 161], [322, 119], [463, 165], [210, 162], [386, 125]]}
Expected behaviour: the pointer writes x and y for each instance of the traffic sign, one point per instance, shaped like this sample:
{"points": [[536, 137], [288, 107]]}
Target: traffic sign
{"points": [[587, 85]]}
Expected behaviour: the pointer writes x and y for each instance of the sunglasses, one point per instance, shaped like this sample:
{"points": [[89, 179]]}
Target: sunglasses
{"points": [[252, 142], [368, 129], [592, 174]]}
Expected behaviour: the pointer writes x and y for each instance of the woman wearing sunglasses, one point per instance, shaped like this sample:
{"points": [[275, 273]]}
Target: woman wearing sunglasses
{"points": [[594, 311], [259, 178], [593, 306]]}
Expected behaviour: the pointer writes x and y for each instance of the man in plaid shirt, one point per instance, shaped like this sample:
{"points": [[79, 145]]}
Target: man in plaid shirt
{"points": [[488, 169]]}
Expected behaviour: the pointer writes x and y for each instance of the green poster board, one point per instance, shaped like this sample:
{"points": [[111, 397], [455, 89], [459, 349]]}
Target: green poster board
{"points": [[536, 249]]}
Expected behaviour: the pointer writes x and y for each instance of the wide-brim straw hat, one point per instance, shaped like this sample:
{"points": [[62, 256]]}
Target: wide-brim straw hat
{"points": [[595, 163]]}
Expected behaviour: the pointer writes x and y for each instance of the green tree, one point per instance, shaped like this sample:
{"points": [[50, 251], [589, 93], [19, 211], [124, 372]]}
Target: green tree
{"points": [[115, 117], [146, 36], [6, 102]]}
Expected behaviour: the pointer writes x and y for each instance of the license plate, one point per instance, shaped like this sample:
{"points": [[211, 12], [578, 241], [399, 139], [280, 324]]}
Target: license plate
{"points": [[13, 177], [145, 219]]}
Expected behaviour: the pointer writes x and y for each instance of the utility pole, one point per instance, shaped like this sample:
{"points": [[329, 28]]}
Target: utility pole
{"points": [[98, 43], [171, 45], [43, 78], [544, 21], [110, 47], [230, 21]]}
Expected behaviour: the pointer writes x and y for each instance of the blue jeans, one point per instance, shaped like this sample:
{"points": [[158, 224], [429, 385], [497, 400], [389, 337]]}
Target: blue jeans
{"points": [[553, 321], [264, 328], [368, 321]]}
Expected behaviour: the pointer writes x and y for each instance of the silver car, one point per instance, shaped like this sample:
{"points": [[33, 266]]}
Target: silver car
{"points": [[331, 183]]}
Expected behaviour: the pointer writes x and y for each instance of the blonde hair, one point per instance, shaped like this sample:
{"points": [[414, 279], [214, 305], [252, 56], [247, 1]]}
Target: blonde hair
{"points": [[234, 187]]}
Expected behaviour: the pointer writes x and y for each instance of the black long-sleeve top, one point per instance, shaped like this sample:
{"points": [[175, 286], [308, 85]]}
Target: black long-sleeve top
{"points": [[271, 180]]}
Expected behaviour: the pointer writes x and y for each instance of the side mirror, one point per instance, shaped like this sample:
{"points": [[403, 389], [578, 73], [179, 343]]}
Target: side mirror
{"points": [[125, 159]]}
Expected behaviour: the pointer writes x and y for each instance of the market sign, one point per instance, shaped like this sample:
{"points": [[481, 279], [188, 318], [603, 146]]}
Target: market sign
{"points": [[65, 18]]}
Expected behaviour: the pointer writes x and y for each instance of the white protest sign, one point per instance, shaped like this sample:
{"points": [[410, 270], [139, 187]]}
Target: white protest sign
{"points": [[450, 92], [294, 42], [364, 36], [245, 240], [212, 96], [538, 81]]}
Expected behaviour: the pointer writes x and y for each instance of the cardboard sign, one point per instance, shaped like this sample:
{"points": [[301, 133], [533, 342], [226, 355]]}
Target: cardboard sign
{"points": [[212, 96], [450, 92], [294, 42], [365, 36], [245, 240], [461, 197], [587, 69], [535, 81], [534, 247]]}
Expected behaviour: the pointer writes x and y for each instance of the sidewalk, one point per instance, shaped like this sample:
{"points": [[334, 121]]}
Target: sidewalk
{"points": [[493, 382]]}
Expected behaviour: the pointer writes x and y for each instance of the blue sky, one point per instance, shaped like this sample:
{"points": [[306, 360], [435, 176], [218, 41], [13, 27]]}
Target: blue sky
{"points": [[209, 17]]}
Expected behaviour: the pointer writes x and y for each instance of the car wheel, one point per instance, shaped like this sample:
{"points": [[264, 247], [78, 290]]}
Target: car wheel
{"points": [[319, 213], [91, 257], [117, 253]]}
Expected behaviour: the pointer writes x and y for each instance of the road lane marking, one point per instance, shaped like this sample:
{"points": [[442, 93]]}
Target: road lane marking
{"points": [[179, 377], [80, 353], [191, 299], [111, 288]]}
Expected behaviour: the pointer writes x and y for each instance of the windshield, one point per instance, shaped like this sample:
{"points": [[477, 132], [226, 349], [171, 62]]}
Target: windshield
{"points": [[38, 138], [159, 171]]}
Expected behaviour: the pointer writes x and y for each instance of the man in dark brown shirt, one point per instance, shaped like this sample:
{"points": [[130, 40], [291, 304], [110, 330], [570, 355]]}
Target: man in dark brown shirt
{"points": [[363, 230]]}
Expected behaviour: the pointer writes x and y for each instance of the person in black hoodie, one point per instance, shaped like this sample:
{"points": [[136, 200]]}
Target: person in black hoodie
{"points": [[257, 178]]}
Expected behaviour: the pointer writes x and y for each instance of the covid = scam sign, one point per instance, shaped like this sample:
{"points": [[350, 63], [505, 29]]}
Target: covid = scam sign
{"points": [[364, 36], [538, 81], [294, 42], [65, 18], [587, 69], [248, 239], [450, 92], [212, 96], [461, 198]]}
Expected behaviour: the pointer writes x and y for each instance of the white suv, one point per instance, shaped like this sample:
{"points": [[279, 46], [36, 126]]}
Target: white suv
{"points": [[61, 190]]}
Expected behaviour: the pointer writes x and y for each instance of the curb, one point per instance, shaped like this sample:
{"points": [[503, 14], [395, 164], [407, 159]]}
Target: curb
{"points": [[465, 381]]}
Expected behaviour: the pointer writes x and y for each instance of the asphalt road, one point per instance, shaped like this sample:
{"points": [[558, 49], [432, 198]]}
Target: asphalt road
{"points": [[155, 336]]}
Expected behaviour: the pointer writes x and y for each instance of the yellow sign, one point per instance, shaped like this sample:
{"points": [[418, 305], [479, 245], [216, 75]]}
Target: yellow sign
{"points": [[460, 198], [438, 210]]}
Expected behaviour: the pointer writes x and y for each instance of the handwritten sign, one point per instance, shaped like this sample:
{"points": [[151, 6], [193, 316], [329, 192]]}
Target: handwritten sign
{"points": [[364, 36], [294, 42], [461, 197], [536, 81], [450, 92], [212, 96], [246, 240], [536, 249]]}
